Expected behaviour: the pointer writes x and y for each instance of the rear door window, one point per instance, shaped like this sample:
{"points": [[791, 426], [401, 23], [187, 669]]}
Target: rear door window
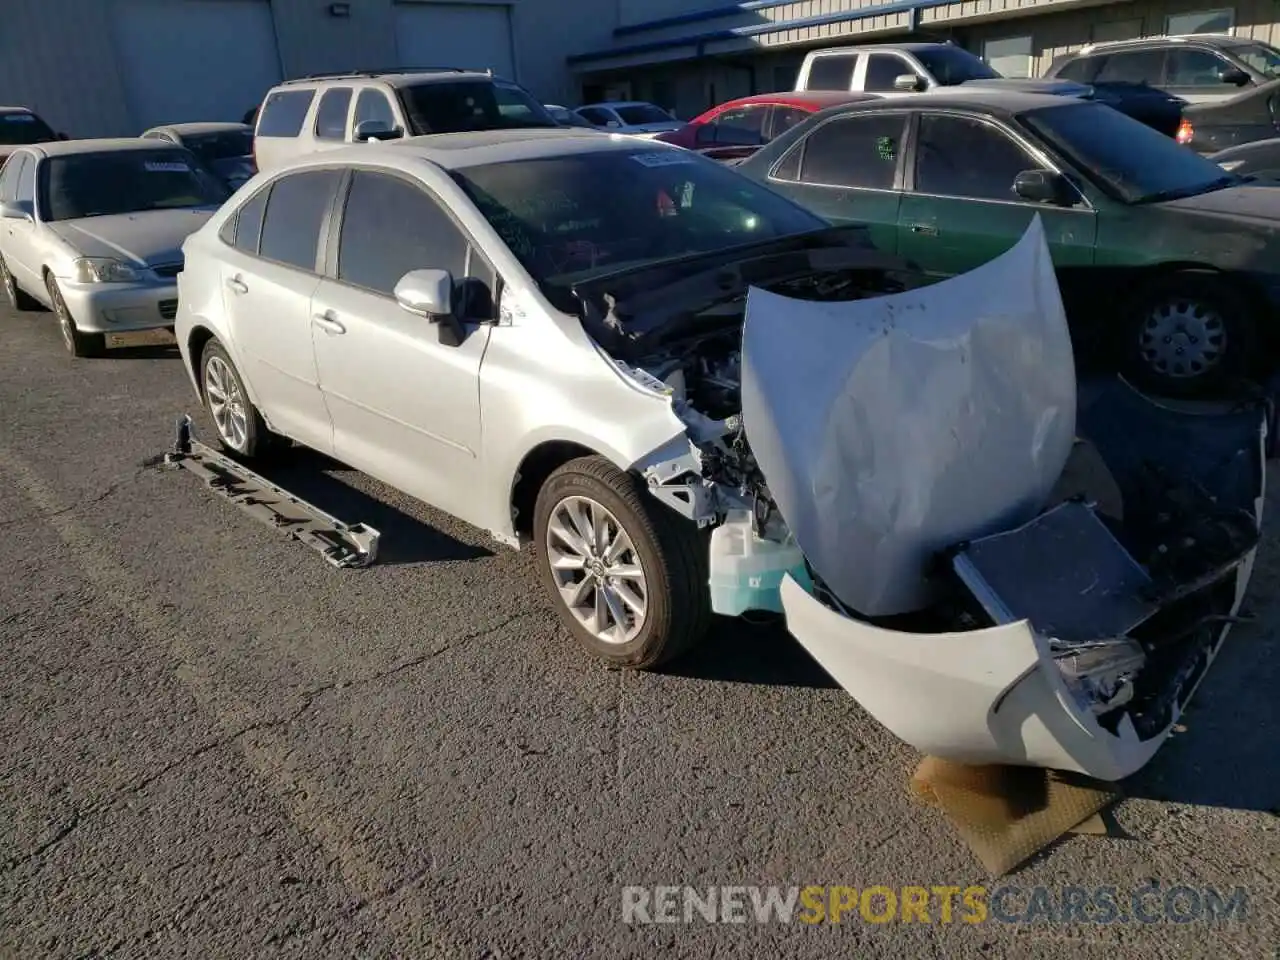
{"points": [[740, 127], [284, 113], [1136, 66], [855, 152], [295, 213], [784, 118], [831, 73], [331, 115]]}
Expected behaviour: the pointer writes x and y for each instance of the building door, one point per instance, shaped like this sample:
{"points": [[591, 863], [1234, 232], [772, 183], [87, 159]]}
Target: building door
{"points": [[194, 60], [474, 36]]}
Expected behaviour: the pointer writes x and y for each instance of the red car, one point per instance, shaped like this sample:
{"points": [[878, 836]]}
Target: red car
{"points": [[740, 127]]}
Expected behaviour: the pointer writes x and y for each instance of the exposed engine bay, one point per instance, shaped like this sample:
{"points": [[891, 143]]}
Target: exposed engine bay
{"points": [[916, 448]]}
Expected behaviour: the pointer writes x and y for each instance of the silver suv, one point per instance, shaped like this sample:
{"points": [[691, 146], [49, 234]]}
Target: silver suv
{"points": [[326, 111]]}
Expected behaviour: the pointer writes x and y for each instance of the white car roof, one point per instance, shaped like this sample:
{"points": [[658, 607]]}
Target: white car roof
{"points": [[194, 129], [614, 104], [456, 151], [67, 148], [393, 79]]}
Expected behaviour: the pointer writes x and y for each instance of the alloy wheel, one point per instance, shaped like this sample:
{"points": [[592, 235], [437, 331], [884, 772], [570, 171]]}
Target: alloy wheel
{"points": [[226, 403], [597, 570]]}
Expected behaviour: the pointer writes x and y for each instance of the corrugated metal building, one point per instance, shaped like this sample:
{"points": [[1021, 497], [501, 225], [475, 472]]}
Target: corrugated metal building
{"points": [[112, 67], [115, 67], [690, 54]]}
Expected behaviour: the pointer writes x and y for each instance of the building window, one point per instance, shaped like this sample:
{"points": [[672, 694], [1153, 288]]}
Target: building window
{"points": [[1116, 30], [1201, 21], [1010, 57]]}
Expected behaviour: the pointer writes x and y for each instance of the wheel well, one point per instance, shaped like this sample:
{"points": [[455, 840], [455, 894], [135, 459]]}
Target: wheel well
{"points": [[538, 464], [195, 346]]}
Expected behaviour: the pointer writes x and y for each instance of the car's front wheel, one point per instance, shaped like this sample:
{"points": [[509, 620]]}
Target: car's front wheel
{"points": [[1188, 334], [79, 344], [241, 429], [628, 576], [17, 299]]}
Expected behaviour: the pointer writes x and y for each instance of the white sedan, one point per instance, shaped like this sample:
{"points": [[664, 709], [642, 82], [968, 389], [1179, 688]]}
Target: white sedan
{"points": [[93, 230], [696, 397]]}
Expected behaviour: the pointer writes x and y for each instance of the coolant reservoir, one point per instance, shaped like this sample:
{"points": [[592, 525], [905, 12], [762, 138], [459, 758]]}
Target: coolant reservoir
{"points": [[747, 570]]}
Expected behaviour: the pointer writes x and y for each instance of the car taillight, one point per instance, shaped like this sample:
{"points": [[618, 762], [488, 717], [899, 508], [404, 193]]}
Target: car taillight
{"points": [[1185, 132]]}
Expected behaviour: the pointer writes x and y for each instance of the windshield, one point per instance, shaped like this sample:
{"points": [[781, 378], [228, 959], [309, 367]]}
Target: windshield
{"points": [[1134, 161], [569, 217], [953, 65], [462, 105], [638, 113], [126, 181], [1259, 56], [220, 146], [20, 128]]}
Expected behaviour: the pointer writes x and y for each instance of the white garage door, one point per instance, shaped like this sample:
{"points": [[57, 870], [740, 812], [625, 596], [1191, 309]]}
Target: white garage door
{"points": [[194, 60], [471, 35]]}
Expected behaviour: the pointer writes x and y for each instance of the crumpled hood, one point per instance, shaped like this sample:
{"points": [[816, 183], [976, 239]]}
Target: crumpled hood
{"points": [[1061, 88], [146, 238], [891, 428]]}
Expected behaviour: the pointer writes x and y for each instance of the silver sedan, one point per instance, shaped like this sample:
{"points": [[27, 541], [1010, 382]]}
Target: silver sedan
{"points": [[93, 230]]}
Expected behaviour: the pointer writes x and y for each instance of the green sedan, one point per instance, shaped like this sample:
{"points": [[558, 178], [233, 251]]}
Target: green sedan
{"points": [[1168, 264]]}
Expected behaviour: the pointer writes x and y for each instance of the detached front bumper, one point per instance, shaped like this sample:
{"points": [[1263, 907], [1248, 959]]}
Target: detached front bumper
{"points": [[1157, 596], [120, 307]]}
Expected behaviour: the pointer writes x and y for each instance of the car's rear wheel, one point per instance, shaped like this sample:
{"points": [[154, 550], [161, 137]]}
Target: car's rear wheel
{"points": [[17, 299], [627, 576], [241, 429], [1188, 334], [78, 344]]}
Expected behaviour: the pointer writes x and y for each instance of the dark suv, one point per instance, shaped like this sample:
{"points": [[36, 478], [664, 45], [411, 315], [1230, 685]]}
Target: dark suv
{"points": [[1197, 68], [1230, 84]]}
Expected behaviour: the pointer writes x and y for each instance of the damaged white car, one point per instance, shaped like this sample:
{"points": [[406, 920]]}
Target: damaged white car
{"points": [[695, 396]]}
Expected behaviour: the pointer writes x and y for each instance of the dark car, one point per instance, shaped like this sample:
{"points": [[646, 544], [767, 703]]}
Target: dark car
{"points": [[738, 128], [226, 149], [1259, 160], [1169, 265], [21, 127], [1251, 115]]}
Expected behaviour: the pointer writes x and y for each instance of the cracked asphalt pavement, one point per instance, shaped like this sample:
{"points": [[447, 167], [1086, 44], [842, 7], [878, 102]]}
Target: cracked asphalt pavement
{"points": [[217, 746]]}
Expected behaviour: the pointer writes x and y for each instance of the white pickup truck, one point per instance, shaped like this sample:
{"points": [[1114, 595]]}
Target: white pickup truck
{"points": [[901, 69]]}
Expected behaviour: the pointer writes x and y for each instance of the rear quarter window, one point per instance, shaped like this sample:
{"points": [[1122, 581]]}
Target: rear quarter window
{"points": [[1080, 70], [284, 113]]}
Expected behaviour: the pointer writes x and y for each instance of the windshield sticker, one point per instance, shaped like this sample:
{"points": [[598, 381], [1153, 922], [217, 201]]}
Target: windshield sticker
{"points": [[167, 166], [19, 118], [662, 158]]}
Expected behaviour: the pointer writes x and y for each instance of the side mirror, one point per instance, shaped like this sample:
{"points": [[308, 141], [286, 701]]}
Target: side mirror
{"points": [[16, 210], [429, 293], [375, 130], [1236, 77], [1043, 186], [908, 82]]}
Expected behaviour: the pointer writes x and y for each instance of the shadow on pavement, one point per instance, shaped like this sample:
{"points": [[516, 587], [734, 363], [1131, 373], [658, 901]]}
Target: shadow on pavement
{"points": [[405, 539], [755, 651]]}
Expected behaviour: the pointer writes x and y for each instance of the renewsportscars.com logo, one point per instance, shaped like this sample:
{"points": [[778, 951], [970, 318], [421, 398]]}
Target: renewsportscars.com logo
{"points": [[1149, 903]]}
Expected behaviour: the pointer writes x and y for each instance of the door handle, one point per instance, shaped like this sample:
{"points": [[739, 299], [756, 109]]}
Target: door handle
{"points": [[926, 229], [236, 285], [328, 323]]}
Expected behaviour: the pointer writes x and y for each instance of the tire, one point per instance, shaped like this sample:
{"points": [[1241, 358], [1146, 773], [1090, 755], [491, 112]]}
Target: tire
{"points": [[668, 551], [240, 427], [18, 300], [78, 344], [1187, 334]]}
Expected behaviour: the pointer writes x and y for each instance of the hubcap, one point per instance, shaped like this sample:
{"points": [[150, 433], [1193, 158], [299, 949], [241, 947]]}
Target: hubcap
{"points": [[597, 570], [64, 317], [1183, 339], [226, 403]]}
